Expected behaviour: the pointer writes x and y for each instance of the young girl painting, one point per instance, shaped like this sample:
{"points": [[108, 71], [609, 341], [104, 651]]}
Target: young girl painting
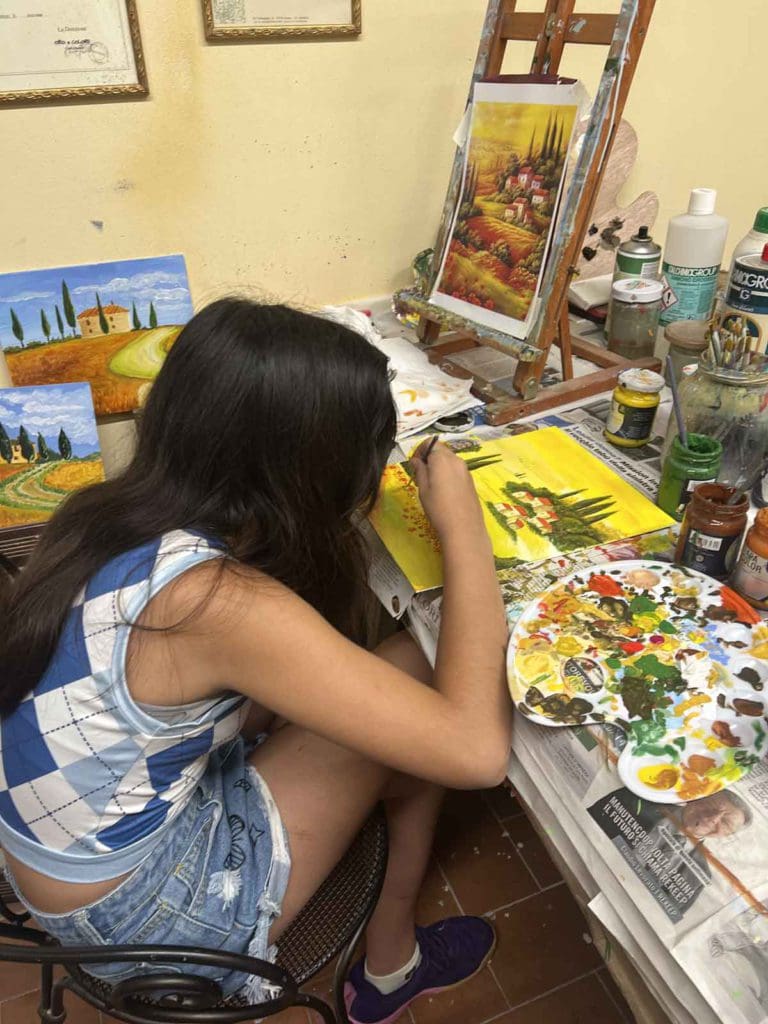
{"points": [[193, 729]]}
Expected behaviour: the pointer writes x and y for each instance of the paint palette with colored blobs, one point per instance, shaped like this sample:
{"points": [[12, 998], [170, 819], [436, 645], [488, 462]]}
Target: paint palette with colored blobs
{"points": [[676, 659]]}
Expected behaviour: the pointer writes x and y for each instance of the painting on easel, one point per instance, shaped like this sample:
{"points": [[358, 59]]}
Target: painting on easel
{"points": [[515, 162]]}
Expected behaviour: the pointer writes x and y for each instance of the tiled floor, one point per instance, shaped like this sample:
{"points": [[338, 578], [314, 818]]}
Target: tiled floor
{"points": [[488, 860]]}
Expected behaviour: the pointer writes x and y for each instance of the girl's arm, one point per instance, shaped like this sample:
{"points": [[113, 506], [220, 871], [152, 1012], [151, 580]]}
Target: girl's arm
{"points": [[266, 642]]}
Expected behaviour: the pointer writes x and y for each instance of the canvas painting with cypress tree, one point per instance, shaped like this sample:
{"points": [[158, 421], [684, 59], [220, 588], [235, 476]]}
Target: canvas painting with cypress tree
{"points": [[108, 323], [542, 495], [48, 449], [515, 163]]}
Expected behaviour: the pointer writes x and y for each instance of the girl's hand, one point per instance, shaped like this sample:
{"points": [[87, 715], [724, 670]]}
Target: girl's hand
{"points": [[447, 493]]}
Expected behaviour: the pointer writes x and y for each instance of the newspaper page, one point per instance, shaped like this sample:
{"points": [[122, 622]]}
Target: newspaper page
{"points": [[694, 877]]}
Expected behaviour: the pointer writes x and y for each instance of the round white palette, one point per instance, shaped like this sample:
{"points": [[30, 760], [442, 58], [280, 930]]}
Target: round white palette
{"points": [[676, 659]]}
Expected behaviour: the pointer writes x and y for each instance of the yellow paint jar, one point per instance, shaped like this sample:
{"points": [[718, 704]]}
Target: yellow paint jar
{"points": [[633, 408]]}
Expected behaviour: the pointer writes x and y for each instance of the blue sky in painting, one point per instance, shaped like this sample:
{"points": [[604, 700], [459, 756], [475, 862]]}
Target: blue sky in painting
{"points": [[158, 279], [45, 409]]}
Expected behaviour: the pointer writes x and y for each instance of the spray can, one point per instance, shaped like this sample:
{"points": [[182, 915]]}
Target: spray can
{"points": [[638, 257], [746, 301]]}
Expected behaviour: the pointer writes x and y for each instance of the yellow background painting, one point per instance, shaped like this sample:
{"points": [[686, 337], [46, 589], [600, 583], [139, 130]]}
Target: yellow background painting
{"points": [[515, 164], [546, 495]]}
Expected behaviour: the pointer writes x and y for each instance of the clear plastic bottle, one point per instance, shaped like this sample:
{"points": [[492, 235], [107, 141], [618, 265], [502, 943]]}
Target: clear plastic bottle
{"points": [[754, 240], [692, 256]]}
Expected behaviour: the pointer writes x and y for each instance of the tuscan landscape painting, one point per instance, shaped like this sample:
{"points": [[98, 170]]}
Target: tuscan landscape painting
{"points": [[542, 495], [108, 323], [48, 448], [514, 167]]}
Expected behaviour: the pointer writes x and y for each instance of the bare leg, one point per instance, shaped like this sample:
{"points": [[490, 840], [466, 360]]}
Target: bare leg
{"points": [[412, 811], [325, 793]]}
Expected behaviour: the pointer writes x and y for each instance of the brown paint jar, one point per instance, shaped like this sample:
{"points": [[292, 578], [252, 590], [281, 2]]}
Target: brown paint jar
{"points": [[750, 577], [711, 530]]}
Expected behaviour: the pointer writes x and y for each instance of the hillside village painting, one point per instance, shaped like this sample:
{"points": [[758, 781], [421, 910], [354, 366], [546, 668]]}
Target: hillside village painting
{"points": [[108, 323], [542, 495], [48, 449], [514, 168]]}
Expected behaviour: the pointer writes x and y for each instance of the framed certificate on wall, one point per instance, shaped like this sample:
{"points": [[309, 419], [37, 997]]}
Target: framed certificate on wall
{"points": [[69, 49], [281, 19]]}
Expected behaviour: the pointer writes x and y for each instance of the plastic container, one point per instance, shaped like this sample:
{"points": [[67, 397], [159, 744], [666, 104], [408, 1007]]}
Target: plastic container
{"points": [[684, 468], [639, 257], [746, 300], [732, 407], [754, 240], [693, 253], [634, 316], [750, 578], [711, 530], [687, 340], [633, 408]]}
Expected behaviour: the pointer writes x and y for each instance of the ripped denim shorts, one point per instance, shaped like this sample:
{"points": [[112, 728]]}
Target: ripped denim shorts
{"points": [[215, 881]]}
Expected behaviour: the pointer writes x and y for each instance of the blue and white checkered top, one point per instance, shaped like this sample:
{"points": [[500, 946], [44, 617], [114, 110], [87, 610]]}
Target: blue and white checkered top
{"points": [[89, 778]]}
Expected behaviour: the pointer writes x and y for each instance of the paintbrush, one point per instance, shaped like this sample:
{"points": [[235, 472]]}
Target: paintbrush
{"points": [[428, 450], [717, 350], [676, 403]]}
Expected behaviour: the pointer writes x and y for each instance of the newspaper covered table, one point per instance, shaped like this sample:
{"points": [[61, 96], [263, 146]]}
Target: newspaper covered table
{"points": [[683, 890]]}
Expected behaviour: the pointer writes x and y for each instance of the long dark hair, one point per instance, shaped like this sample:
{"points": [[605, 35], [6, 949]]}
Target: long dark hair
{"points": [[266, 427]]}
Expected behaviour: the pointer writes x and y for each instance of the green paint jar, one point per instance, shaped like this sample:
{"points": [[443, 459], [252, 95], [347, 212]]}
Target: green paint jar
{"points": [[684, 468]]}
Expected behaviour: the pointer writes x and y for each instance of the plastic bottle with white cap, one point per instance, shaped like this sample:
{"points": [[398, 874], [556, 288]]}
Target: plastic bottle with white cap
{"points": [[692, 256]]}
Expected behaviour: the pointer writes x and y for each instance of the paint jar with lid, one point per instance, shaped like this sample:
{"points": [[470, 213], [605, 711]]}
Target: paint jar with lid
{"points": [[633, 408], [711, 530], [750, 578], [684, 468], [687, 343], [634, 312]]}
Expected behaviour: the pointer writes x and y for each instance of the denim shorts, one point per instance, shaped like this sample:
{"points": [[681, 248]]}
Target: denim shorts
{"points": [[216, 880]]}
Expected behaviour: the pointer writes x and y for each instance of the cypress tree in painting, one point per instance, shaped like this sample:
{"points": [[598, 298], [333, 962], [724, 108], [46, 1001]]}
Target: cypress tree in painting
{"points": [[152, 315], [59, 322], [546, 149], [5, 445], [45, 325], [559, 152], [102, 319], [43, 451], [27, 448], [69, 309], [65, 448], [18, 330], [135, 319]]}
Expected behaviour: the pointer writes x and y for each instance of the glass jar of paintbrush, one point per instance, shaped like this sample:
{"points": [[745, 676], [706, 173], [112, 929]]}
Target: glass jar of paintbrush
{"points": [[728, 404]]}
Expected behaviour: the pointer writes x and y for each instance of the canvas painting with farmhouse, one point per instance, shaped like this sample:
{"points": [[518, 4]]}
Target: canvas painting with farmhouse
{"points": [[48, 448], [108, 323]]}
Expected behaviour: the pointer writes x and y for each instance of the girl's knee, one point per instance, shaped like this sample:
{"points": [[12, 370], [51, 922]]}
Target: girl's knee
{"points": [[401, 651]]}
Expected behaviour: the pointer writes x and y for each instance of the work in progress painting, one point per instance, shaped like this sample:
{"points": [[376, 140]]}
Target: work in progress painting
{"points": [[516, 155], [48, 449], [108, 323], [542, 495]]}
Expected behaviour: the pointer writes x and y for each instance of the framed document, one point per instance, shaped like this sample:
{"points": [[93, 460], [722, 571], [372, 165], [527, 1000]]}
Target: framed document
{"points": [[69, 49], [281, 19]]}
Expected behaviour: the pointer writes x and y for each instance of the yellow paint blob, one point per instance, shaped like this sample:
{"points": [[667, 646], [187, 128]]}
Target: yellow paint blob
{"points": [[659, 776]]}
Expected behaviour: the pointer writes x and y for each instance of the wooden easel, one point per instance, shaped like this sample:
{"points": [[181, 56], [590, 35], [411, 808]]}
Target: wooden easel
{"points": [[550, 29]]}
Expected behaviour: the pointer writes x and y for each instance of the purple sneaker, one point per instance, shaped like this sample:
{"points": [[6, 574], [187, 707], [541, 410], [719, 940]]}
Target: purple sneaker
{"points": [[452, 951]]}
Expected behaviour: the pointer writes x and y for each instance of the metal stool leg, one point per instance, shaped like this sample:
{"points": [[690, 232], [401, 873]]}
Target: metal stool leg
{"points": [[318, 1006]]}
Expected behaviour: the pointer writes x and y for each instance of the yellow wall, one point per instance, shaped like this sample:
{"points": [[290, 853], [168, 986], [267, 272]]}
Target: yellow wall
{"points": [[315, 171]]}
